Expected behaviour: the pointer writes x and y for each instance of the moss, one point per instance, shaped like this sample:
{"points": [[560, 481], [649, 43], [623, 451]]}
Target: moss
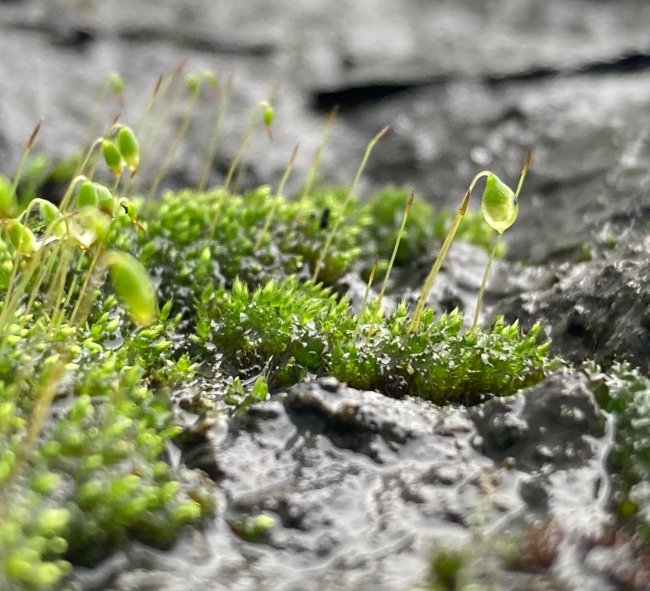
{"points": [[195, 238], [98, 466], [425, 228], [290, 329], [625, 393], [87, 365]]}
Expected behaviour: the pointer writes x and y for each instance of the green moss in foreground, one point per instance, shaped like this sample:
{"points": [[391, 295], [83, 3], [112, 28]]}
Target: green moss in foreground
{"points": [[95, 477], [194, 238], [290, 329]]}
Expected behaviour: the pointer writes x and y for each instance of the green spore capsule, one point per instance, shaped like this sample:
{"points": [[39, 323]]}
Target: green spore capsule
{"points": [[112, 157], [117, 84], [21, 238], [129, 148], [132, 286], [105, 200], [50, 214], [7, 198], [499, 204], [87, 195], [193, 83], [268, 116], [211, 78]]}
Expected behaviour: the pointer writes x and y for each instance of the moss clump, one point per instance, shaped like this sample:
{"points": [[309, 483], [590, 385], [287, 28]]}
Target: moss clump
{"points": [[195, 238], [441, 361], [290, 329], [94, 476], [625, 393], [285, 328]]}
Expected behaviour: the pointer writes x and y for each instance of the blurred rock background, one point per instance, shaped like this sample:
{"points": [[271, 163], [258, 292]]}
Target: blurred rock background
{"points": [[466, 85]]}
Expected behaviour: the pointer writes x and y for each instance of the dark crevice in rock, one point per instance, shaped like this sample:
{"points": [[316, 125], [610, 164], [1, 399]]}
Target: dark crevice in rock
{"points": [[196, 42], [82, 35], [356, 94]]}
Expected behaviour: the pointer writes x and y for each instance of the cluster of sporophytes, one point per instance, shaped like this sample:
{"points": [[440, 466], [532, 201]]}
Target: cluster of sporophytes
{"points": [[84, 421], [88, 358]]}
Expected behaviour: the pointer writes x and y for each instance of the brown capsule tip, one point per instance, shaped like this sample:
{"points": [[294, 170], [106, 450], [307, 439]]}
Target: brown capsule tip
{"points": [[409, 203], [32, 137], [115, 119], [178, 68], [294, 154], [332, 116], [156, 87], [384, 131], [463, 206], [373, 271], [529, 158]]}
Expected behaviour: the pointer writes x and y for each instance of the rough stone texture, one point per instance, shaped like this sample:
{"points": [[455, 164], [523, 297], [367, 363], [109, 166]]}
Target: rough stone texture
{"points": [[362, 489], [593, 310]]}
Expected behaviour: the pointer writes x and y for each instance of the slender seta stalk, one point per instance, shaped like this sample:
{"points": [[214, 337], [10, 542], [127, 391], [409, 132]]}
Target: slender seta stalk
{"points": [[335, 226], [279, 194], [315, 161]]}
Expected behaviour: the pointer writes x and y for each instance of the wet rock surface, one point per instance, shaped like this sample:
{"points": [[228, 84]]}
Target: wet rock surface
{"points": [[362, 487], [594, 310]]}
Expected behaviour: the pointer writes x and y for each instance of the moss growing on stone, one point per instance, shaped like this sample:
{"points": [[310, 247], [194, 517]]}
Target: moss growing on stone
{"points": [[94, 477], [87, 365], [291, 329], [625, 393]]}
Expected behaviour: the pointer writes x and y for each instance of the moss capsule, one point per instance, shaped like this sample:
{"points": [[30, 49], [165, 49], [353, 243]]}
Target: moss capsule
{"points": [[105, 199], [112, 157], [129, 147], [133, 286], [499, 205], [21, 238], [7, 198], [117, 84], [268, 115], [193, 83], [87, 195], [50, 214]]}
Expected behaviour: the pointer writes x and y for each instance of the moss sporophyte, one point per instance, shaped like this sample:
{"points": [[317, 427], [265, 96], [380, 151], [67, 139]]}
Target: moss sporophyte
{"points": [[249, 292]]}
